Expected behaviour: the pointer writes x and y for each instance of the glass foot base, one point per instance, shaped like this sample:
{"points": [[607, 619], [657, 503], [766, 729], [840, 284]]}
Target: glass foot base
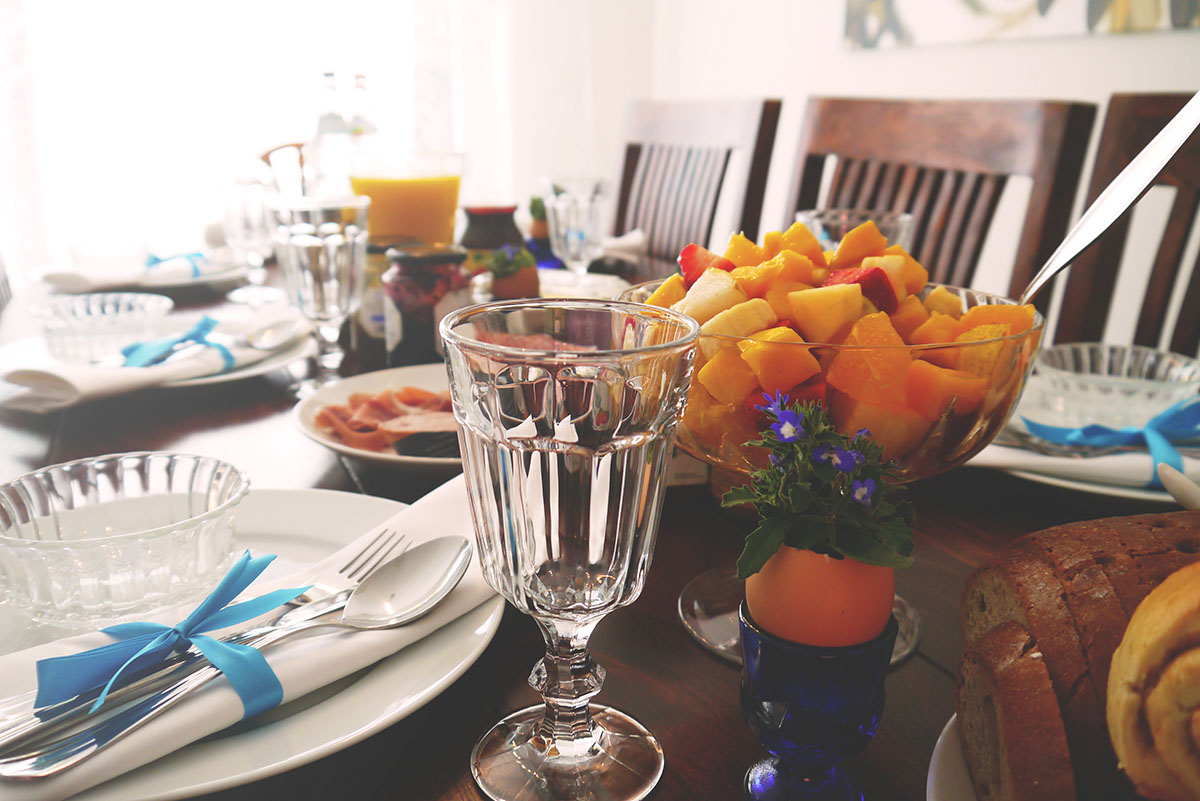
{"points": [[708, 609], [621, 762], [768, 781]]}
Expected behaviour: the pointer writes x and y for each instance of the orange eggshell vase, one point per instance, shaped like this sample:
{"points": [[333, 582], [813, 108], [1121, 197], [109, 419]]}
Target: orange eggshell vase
{"points": [[814, 599]]}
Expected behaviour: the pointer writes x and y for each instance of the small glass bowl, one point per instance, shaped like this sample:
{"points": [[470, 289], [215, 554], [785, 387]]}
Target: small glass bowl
{"points": [[86, 328], [1085, 383], [103, 539]]}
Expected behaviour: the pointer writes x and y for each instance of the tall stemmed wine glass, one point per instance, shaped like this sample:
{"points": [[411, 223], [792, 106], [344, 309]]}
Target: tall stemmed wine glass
{"points": [[924, 435], [567, 411], [321, 244]]}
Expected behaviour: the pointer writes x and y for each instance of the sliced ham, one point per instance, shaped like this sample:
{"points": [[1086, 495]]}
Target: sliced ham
{"points": [[374, 422]]}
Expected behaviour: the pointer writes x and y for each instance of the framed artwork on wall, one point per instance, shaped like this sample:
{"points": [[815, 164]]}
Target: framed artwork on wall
{"points": [[872, 24]]}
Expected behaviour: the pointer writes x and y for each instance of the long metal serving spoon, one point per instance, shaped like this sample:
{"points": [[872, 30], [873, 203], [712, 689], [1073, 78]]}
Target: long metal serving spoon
{"points": [[398, 592], [1119, 195]]}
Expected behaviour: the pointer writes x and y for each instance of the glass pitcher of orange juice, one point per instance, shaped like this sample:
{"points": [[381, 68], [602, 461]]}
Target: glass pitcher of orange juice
{"points": [[413, 195]]}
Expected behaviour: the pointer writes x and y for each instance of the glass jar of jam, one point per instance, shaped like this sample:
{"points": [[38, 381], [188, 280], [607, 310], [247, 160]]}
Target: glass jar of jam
{"points": [[423, 283]]}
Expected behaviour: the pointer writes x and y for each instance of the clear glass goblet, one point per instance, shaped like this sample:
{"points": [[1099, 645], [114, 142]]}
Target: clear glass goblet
{"points": [[321, 244], [574, 211], [567, 411]]}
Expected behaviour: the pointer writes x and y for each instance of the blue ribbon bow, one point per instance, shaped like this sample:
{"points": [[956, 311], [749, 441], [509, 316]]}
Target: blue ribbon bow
{"points": [[142, 354], [1180, 423], [193, 259], [141, 644]]}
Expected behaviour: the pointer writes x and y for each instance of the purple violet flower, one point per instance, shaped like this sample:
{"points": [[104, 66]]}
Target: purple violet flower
{"points": [[788, 429], [773, 405], [862, 491], [842, 460]]}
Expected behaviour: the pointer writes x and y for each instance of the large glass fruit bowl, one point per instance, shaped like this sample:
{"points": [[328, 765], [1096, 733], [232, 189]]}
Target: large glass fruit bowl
{"points": [[927, 420], [931, 406]]}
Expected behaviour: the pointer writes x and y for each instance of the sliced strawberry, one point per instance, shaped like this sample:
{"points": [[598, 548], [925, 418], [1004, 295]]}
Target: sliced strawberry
{"points": [[694, 260]]}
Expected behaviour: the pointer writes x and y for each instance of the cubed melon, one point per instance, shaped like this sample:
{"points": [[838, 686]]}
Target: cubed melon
{"points": [[825, 314], [930, 390], [943, 300], [727, 377], [777, 359], [938, 329], [897, 430], [669, 292]]}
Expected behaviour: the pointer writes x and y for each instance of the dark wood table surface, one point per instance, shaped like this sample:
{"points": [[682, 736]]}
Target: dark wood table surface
{"points": [[685, 696]]}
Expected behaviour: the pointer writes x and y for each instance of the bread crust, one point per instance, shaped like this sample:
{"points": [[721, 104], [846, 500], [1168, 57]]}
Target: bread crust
{"points": [[1009, 722]]}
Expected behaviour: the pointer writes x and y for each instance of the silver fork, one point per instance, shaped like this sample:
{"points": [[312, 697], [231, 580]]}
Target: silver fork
{"points": [[329, 592]]}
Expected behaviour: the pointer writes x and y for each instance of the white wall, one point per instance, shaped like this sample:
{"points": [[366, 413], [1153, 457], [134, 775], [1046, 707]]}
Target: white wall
{"points": [[791, 49]]}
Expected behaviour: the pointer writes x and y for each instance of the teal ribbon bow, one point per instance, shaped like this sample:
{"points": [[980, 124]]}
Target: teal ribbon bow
{"points": [[193, 259], [1178, 424], [142, 644], [143, 354]]}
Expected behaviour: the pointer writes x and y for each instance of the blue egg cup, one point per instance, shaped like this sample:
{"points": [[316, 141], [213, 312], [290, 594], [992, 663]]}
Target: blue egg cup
{"points": [[810, 707]]}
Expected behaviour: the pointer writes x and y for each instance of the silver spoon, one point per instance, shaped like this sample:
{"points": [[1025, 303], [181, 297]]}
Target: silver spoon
{"points": [[398, 592], [1119, 195]]}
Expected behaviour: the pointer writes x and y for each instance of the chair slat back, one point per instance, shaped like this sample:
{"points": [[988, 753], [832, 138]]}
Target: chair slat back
{"points": [[1130, 122], [685, 160], [947, 162]]}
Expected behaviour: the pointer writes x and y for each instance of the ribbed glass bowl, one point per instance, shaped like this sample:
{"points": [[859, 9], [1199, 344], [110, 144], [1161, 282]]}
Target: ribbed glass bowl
{"points": [[86, 328], [108, 538], [1086, 383]]}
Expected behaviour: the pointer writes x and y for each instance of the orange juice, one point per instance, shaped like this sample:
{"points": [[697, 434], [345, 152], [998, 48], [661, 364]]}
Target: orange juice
{"points": [[410, 208]]}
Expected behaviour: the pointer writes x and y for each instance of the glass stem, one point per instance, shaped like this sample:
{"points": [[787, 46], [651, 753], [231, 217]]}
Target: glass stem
{"points": [[567, 678], [329, 351]]}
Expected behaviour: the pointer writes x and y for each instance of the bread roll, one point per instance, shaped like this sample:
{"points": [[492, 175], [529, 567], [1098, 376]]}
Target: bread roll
{"points": [[1153, 705]]}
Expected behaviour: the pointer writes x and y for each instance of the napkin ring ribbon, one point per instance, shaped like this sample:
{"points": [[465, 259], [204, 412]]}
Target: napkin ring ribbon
{"points": [[142, 644], [193, 259], [1180, 423], [142, 354]]}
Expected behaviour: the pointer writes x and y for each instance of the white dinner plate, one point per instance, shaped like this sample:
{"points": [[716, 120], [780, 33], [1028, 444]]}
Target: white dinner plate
{"points": [[949, 779], [563, 283], [1111, 490], [423, 376], [210, 275], [303, 526]]}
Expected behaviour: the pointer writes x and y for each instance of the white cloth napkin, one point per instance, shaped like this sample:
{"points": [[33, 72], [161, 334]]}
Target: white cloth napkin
{"points": [[303, 664], [630, 244], [1132, 469], [114, 274], [50, 385]]}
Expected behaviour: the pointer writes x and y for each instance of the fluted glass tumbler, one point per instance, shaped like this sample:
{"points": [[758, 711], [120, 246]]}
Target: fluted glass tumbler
{"points": [[567, 412], [321, 244]]}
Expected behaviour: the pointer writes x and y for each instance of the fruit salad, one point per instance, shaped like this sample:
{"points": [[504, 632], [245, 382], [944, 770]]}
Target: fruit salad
{"points": [[931, 371]]}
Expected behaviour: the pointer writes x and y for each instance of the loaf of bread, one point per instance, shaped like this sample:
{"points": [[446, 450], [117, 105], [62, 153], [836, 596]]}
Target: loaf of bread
{"points": [[1154, 691], [1014, 738], [1072, 589]]}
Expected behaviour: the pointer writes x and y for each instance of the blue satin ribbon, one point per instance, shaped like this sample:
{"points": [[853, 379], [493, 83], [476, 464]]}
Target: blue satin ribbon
{"points": [[1180, 423], [142, 644], [142, 354], [193, 259]]}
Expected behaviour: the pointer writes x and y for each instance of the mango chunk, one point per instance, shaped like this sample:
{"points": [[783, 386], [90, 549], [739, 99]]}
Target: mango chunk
{"points": [[669, 292], [727, 377], [930, 390], [798, 238], [984, 358], [908, 316], [777, 361], [772, 244], [938, 329], [898, 431], [877, 373], [858, 243], [1018, 318], [742, 252], [943, 300], [757, 279]]}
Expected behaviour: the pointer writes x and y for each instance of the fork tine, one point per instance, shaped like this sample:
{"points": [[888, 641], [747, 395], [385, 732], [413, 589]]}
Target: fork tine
{"points": [[370, 567], [381, 540]]}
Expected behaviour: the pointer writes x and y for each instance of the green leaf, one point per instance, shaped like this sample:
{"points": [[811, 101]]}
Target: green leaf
{"points": [[738, 495], [761, 545]]}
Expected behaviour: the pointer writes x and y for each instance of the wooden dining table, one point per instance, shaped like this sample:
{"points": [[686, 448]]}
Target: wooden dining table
{"points": [[687, 697]]}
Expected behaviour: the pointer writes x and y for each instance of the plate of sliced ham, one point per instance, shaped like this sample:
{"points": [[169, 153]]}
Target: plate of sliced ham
{"points": [[399, 417]]}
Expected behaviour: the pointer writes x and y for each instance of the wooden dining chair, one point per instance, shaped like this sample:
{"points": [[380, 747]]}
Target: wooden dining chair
{"points": [[1130, 122], [694, 167], [946, 162]]}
